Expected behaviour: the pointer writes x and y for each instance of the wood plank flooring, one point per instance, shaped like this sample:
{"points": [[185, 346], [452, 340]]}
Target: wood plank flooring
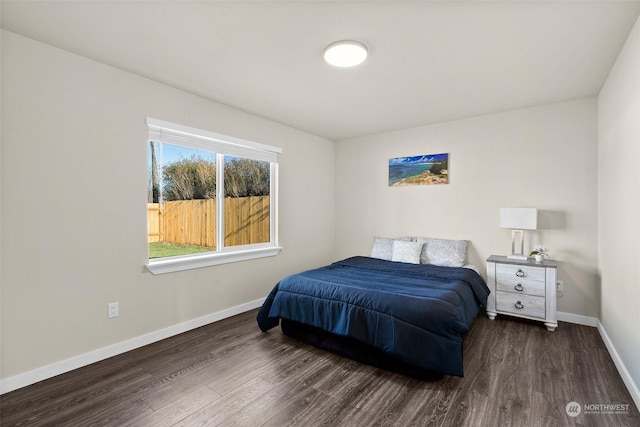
{"points": [[231, 374]]}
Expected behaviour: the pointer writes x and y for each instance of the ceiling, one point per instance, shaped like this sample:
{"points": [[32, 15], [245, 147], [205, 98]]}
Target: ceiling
{"points": [[429, 61]]}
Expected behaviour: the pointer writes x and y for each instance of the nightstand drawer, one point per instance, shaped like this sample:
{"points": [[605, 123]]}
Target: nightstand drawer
{"points": [[508, 273], [523, 305], [522, 287]]}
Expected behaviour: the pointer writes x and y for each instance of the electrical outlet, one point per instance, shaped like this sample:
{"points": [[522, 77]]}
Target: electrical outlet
{"points": [[560, 288], [114, 309]]}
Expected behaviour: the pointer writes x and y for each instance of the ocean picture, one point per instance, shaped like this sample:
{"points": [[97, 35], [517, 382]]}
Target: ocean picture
{"points": [[428, 169]]}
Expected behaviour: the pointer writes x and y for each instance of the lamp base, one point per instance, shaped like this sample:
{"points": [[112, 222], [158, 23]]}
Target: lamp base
{"points": [[520, 257]]}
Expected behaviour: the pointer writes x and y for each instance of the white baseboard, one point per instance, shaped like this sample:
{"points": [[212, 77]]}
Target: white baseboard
{"points": [[49, 371], [622, 369], [578, 319]]}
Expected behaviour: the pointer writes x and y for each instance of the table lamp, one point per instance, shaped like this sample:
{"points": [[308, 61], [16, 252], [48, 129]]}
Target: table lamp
{"points": [[518, 220]]}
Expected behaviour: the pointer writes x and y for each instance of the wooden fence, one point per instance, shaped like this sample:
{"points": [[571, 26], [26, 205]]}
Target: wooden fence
{"points": [[193, 222]]}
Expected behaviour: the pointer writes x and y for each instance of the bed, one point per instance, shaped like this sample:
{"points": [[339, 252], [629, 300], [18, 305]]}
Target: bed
{"points": [[407, 317]]}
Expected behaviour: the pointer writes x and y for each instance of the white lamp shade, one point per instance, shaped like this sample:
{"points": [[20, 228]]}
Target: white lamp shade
{"points": [[519, 218]]}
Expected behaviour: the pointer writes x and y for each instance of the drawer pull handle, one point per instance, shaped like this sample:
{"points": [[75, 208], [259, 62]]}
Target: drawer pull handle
{"points": [[519, 305], [518, 287], [521, 273]]}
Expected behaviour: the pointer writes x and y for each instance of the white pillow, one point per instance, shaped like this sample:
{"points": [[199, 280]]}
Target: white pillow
{"points": [[446, 253], [406, 251], [383, 247]]}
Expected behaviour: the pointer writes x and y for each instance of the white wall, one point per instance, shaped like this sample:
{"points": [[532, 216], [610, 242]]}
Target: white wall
{"points": [[619, 203], [543, 157], [74, 189]]}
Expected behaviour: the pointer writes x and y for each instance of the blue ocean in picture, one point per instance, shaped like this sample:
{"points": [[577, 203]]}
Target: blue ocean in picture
{"points": [[398, 172], [405, 167]]}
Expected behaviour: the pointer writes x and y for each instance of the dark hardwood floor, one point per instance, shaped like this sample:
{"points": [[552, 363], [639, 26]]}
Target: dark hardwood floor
{"points": [[231, 374]]}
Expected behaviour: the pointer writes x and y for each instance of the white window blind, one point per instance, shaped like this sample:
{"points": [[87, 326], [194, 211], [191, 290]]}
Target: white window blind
{"points": [[184, 136]]}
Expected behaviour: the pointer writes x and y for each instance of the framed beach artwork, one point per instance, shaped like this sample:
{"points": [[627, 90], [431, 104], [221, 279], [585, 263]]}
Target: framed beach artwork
{"points": [[428, 169]]}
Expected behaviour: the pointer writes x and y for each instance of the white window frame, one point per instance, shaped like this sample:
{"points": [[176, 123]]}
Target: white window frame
{"points": [[222, 145]]}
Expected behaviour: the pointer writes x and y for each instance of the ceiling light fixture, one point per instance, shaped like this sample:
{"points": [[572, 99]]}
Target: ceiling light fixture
{"points": [[345, 53]]}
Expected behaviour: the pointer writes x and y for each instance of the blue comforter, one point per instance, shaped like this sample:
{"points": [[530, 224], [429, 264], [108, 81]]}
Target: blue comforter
{"points": [[416, 313]]}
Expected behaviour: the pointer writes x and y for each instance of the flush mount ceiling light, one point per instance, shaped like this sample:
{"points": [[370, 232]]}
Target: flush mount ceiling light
{"points": [[345, 53]]}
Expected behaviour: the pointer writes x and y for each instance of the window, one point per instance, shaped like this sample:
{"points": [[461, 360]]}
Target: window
{"points": [[212, 199]]}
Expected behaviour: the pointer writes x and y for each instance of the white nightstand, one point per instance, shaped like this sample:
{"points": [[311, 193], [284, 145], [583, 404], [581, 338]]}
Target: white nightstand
{"points": [[523, 289]]}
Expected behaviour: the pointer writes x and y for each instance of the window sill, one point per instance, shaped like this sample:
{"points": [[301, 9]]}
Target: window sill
{"points": [[189, 262]]}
